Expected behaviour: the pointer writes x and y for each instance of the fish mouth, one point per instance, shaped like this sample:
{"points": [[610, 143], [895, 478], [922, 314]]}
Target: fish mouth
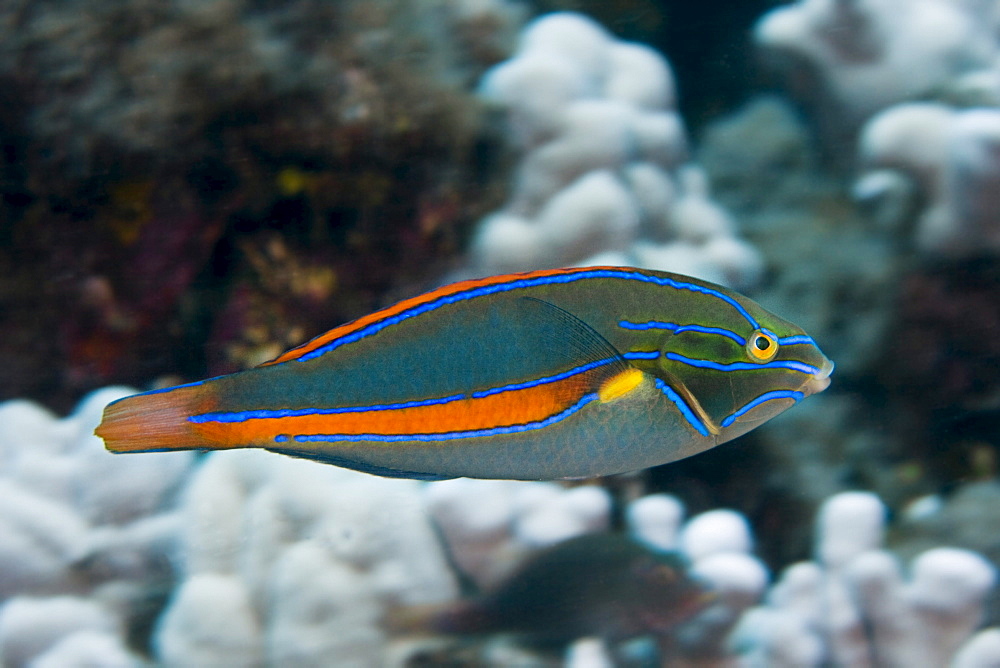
{"points": [[818, 381]]}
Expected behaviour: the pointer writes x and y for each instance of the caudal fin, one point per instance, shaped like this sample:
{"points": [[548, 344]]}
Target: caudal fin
{"points": [[154, 421]]}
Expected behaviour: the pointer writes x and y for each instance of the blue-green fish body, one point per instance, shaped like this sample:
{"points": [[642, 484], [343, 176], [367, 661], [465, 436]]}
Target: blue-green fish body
{"points": [[552, 374]]}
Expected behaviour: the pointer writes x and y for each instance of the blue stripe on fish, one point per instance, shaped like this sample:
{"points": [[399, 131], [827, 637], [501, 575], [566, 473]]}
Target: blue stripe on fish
{"points": [[264, 414], [517, 285], [442, 436], [167, 389], [642, 355], [742, 366], [545, 379], [793, 340], [764, 398], [680, 329], [682, 407]]}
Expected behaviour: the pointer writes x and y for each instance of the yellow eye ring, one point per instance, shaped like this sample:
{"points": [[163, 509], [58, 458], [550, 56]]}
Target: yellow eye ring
{"points": [[762, 346]]}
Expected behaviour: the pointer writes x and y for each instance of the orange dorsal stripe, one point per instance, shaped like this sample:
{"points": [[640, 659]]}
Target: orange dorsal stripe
{"points": [[413, 302]]}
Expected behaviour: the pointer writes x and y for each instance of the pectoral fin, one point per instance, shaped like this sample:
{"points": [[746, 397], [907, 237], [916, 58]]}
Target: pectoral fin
{"points": [[566, 340], [566, 335]]}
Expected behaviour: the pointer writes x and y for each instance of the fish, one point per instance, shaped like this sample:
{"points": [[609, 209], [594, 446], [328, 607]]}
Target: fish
{"points": [[603, 585], [546, 375]]}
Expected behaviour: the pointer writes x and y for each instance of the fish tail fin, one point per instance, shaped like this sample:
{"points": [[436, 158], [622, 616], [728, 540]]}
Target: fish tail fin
{"points": [[155, 421]]}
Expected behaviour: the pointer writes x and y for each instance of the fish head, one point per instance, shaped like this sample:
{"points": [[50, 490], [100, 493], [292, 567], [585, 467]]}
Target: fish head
{"points": [[740, 367]]}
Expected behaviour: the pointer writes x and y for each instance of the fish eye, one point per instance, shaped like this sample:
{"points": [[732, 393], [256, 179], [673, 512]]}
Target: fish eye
{"points": [[762, 346]]}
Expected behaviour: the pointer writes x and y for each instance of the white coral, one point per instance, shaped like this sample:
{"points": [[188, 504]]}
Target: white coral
{"points": [[944, 166], [602, 176], [871, 54], [308, 558], [854, 606], [490, 525], [82, 533]]}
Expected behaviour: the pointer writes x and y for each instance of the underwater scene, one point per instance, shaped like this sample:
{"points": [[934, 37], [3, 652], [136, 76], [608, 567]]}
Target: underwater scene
{"points": [[418, 333]]}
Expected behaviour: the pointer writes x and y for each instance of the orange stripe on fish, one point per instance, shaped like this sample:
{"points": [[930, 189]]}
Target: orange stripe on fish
{"points": [[356, 326], [447, 415]]}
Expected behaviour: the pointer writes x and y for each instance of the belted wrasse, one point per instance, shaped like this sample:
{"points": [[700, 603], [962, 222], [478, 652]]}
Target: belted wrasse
{"points": [[564, 373]]}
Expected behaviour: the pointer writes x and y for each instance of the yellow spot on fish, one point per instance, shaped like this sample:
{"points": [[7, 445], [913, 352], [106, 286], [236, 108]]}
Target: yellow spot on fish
{"points": [[619, 385]]}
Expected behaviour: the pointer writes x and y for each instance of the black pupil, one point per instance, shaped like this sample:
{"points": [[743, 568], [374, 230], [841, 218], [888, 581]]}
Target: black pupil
{"points": [[762, 343]]}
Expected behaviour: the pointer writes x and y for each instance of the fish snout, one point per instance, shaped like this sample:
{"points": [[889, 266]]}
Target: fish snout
{"points": [[820, 380]]}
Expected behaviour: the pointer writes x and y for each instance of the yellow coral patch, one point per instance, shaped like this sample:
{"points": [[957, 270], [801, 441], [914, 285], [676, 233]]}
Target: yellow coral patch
{"points": [[620, 385]]}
